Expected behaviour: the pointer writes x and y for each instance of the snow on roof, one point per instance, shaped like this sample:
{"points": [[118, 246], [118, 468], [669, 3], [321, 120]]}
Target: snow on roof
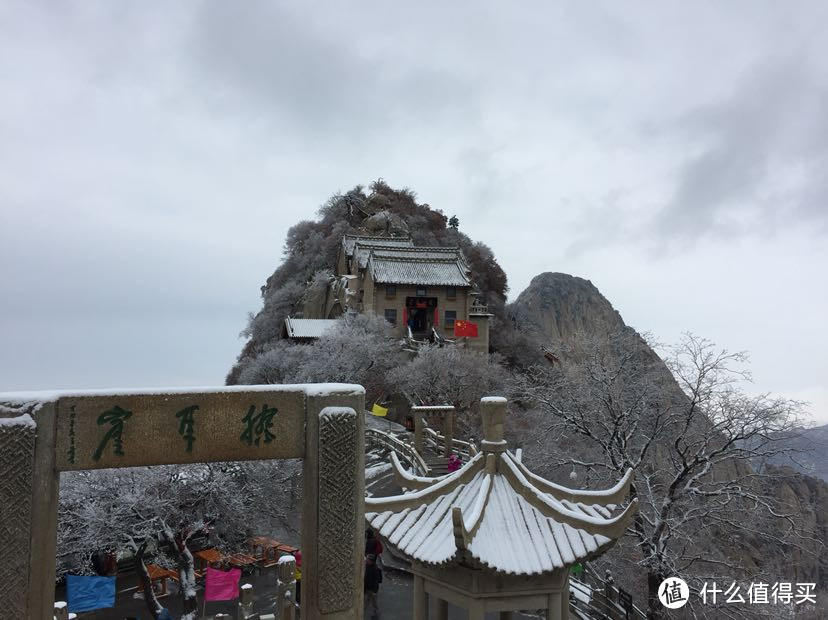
{"points": [[505, 526], [502, 515], [349, 241], [308, 328], [430, 271], [363, 252]]}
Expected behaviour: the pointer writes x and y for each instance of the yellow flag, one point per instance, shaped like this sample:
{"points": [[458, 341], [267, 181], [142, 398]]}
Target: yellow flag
{"points": [[379, 411]]}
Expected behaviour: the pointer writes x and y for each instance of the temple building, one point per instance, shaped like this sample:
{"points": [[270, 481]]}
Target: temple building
{"points": [[493, 536], [422, 291]]}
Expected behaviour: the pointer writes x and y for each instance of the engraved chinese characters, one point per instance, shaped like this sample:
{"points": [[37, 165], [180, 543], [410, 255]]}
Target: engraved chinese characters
{"points": [[119, 431]]}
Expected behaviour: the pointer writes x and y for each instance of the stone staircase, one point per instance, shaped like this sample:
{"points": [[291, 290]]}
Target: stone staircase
{"points": [[438, 465]]}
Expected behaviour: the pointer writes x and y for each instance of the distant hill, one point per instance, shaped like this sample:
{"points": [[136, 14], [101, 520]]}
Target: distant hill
{"points": [[812, 452]]}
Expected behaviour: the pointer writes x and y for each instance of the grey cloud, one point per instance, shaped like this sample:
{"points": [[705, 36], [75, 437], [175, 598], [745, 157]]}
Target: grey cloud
{"points": [[285, 69], [762, 157]]}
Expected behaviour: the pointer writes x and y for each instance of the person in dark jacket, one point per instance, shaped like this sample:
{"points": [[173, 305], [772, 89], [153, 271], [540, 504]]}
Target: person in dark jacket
{"points": [[373, 579], [372, 544]]}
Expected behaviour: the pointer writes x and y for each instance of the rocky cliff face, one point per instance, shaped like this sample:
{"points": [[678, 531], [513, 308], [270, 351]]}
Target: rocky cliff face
{"points": [[808, 499], [556, 307]]}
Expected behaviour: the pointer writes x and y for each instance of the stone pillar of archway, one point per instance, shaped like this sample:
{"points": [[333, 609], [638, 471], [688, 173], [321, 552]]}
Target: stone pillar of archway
{"points": [[48, 433], [333, 514]]}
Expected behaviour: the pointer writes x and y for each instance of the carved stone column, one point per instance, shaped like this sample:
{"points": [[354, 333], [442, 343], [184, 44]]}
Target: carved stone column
{"points": [[28, 514], [333, 526]]}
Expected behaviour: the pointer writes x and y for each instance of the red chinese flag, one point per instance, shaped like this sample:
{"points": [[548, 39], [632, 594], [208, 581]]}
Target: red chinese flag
{"points": [[465, 328]]}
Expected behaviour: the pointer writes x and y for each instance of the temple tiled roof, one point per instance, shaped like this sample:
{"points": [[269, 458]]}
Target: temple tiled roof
{"points": [[500, 514], [363, 252], [420, 271]]}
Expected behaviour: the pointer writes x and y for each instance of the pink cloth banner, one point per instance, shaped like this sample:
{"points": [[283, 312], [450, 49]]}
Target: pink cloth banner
{"points": [[220, 585]]}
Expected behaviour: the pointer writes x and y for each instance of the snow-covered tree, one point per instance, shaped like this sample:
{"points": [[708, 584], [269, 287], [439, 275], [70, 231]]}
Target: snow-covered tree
{"points": [[452, 375], [157, 510], [696, 441], [359, 349], [311, 247]]}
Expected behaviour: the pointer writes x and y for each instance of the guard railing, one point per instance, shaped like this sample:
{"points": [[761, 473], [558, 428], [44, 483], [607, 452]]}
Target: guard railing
{"points": [[404, 451]]}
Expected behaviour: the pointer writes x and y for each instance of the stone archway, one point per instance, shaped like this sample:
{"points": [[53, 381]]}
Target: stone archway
{"points": [[42, 434]]}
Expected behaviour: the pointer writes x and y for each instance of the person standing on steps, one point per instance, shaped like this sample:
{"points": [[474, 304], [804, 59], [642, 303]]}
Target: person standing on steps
{"points": [[373, 546], [297, 574], [373, 579]]}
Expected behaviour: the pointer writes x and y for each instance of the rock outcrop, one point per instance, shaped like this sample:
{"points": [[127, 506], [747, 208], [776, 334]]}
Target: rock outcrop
{"points": [[807, 497], [556, 307], [557, 310]]}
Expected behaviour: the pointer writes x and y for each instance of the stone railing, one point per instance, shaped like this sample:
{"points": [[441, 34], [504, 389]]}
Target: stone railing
{"points": [[436, 441], [404, 450], [595, 597]]}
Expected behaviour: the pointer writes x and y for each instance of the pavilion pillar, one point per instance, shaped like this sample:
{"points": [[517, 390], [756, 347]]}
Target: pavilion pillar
{"points": [[554, 606], [477, 611], [448, 431], [437, 608], [420, 611], [565, 598], [418, 431]]}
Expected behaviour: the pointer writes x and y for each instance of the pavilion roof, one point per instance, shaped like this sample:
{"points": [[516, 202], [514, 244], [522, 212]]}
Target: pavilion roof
{"points": [[500, 514]]}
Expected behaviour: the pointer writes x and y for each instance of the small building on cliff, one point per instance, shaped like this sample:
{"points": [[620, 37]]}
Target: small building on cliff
{"points": [[424, 292]]}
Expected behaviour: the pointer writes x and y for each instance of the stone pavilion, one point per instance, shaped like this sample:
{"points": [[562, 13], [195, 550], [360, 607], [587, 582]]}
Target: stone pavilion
{"points": [[493, 536]]}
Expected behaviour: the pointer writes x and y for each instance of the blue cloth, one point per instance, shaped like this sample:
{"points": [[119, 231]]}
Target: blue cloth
{"points": [[88, 593], [165, 615]]}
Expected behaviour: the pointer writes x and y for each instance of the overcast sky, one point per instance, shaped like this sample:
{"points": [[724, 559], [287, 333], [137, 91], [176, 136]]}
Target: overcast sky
{"points": [[153, 155]]}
